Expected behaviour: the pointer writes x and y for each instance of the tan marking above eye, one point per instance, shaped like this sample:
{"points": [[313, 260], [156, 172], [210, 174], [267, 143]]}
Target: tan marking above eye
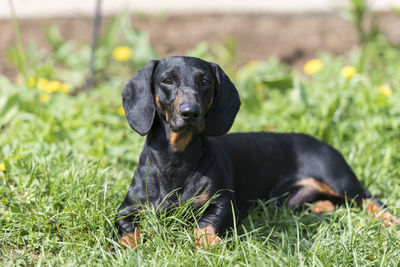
{"points": [[201, 199]]}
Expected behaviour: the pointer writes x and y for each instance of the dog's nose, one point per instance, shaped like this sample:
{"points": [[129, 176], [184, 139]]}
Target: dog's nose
{"points": [[189, 112]]}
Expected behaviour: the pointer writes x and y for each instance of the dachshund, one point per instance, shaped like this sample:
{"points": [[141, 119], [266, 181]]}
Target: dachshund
{"points": [[186, 106]]}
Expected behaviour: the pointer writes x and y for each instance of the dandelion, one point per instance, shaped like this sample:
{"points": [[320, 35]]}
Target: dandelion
{"points": [[122, 53], [42, 83], [121, 111], [31, 82], [313, 66], [385, 90], [52, 87], [64, 88], [44, 98], [2, 167], [348, 71]]}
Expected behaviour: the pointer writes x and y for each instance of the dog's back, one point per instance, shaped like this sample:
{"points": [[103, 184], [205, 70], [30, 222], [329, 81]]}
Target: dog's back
{"points": [[269, 165]]}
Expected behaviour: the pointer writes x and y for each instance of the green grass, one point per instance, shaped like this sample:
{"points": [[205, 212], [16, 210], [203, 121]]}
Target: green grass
{"points": [[69, 163]]}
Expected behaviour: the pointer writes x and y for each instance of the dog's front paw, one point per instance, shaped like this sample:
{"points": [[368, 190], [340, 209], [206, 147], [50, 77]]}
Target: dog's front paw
{"points": [[130, 240], [206, 237]]}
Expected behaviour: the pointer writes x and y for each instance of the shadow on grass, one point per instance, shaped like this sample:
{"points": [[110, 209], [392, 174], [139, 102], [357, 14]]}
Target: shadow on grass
{"points": [[280, 226]]}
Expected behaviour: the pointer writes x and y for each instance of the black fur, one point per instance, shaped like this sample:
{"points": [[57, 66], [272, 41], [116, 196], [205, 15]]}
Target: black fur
{"points": [[226, 104], [138, 100], [242, 167]]}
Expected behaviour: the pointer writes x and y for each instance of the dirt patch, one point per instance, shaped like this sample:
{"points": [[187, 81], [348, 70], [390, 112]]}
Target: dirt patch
{"points": [[293, 38]]}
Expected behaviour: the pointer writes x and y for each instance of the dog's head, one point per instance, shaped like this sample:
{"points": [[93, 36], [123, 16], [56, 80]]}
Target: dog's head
{"points": [[189, 94]]}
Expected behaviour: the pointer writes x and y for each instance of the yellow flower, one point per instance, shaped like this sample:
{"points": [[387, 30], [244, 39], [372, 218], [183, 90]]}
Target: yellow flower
{"points": [[313, 66], [348, 72], [122, 53], [385, 90], [42, 83], [49, 86], [64, 88], [52, 86], [44, 98], [2, 167], [31, 82], [121, 111]]}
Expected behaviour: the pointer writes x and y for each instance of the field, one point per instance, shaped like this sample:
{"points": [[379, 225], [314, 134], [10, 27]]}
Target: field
{"points": [[67, 156]]}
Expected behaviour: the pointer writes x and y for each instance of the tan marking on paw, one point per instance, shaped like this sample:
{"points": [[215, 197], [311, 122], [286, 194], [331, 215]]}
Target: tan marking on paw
{"points": [[376, 211], [206, 237], [323, 206], [201, 199], [179, 140], [130, 240]]}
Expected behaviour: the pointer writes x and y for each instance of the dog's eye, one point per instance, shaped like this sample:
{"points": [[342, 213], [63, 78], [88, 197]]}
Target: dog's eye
{"points": [[205, 82], [167, 81]]}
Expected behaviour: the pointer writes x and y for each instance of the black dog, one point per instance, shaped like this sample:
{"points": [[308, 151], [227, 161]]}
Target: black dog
{"points": [[183, 104]]}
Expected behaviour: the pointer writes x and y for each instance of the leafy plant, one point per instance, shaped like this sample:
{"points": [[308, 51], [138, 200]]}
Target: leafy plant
{"points": [[17, 53], [224, 53], [357, 15], [256, 79]]}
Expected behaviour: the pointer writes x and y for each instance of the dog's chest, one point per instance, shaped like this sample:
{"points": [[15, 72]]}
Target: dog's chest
{"points": [[195, 189]]}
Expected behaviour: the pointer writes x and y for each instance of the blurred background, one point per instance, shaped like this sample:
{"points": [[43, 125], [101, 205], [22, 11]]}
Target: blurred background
{"points": [[293, 31]]}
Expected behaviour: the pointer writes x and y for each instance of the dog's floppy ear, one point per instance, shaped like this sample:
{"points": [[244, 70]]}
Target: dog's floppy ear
{"points": [[225, 105], [138, 101]]}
